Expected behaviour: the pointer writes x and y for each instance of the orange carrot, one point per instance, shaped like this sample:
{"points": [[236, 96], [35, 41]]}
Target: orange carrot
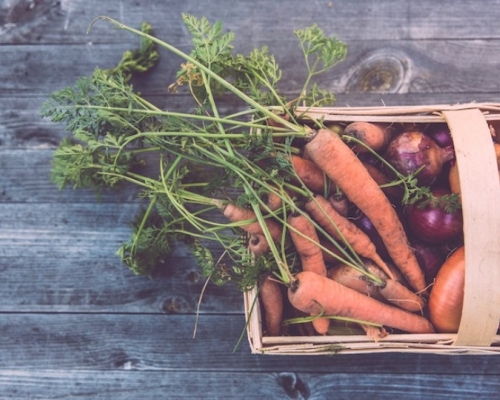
{"points": [[341, 228], [309, 173], [258, 244], [248, 220], [330, 252], [453, 179], [401, 296], [273, 201], [392, 192], [375, 332], [271, 298], [375, 135], [313, 293], [342, 166], [396, 291], [306, 241], [391, 291], [351, 278]]}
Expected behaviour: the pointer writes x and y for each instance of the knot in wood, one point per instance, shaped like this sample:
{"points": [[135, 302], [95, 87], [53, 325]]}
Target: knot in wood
{"points": [[380, 72]]}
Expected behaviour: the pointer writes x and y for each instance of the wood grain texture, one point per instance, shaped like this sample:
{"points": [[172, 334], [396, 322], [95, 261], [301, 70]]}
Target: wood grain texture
{"points": [[154, 342], [68, 251], [46, 21], [74, 322], [404, 66], [236, 385]]}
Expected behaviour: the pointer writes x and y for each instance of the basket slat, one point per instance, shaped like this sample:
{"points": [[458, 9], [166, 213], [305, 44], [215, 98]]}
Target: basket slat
{"points": [[480, 188]]}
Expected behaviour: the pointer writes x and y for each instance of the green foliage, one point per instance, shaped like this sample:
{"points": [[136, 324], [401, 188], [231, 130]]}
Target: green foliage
{"points": [[139, 60], [321, 52], [197, 161]]}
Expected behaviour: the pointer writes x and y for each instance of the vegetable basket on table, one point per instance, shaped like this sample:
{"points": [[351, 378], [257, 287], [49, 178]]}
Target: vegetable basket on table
{"points": [[473, 135], [410, 262]]}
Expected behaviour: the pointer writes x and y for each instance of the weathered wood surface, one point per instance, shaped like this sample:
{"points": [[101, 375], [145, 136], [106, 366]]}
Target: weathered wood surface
{"points": [[74, 322]]}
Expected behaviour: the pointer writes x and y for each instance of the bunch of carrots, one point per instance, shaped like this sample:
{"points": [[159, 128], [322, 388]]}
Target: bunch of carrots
{"points": [[289, 187]]}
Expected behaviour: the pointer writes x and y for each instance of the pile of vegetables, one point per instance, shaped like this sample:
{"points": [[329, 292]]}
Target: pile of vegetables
{"points": [[345, 222]]}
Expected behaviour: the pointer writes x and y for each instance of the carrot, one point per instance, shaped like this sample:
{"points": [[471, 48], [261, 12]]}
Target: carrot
{"points": [[392, 291], [309, 173], [258, 244], [401, 296], [342, 229], [395, 290], [271, 298], [313, 293], [375, 332], [392, 192], [374, 135], [306, 241], [351, 278], [330, 251], [453, 179], [342, 166], [248, 220], [273, 201]]}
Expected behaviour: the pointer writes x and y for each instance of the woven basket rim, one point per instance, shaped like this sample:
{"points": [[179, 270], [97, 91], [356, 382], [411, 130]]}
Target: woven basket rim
{"points": [[434, 343]]}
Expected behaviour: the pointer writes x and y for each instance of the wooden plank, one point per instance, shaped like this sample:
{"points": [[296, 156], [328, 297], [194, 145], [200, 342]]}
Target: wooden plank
{"points": [[181, 384], [45, 21], [26, 179], [152, 342], [67, 251], [88, 283], [371, 66]]}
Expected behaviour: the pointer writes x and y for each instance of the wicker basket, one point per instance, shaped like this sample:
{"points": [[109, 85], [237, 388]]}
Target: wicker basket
{"points": [[478, 173]]}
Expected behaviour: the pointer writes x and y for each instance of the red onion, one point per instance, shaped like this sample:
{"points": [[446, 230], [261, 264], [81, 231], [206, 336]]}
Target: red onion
{"points": [[440, 133], [432, 223], [430, 258], [414, 151]]}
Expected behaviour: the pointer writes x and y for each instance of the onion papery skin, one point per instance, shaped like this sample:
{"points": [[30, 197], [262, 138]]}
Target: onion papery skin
{"points": [[414, 152], [447, 294]]}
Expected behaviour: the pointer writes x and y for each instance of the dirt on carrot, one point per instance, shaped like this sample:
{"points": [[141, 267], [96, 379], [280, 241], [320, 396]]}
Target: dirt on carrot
{"points": [[374, 135], [309, 173], [248, 221], [313, 293], [342, 229], [271, 298], [306, 242], [342, 166]]}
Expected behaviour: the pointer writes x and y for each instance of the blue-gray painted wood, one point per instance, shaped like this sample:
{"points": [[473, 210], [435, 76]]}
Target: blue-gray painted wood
{"points": [[75, 323]]}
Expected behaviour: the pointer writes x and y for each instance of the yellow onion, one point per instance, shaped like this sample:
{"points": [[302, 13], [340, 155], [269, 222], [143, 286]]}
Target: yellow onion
{"points": [[447, 295]]}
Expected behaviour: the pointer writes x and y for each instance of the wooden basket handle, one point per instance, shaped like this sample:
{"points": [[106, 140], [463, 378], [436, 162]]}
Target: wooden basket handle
{"points": [[480, 188]]}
